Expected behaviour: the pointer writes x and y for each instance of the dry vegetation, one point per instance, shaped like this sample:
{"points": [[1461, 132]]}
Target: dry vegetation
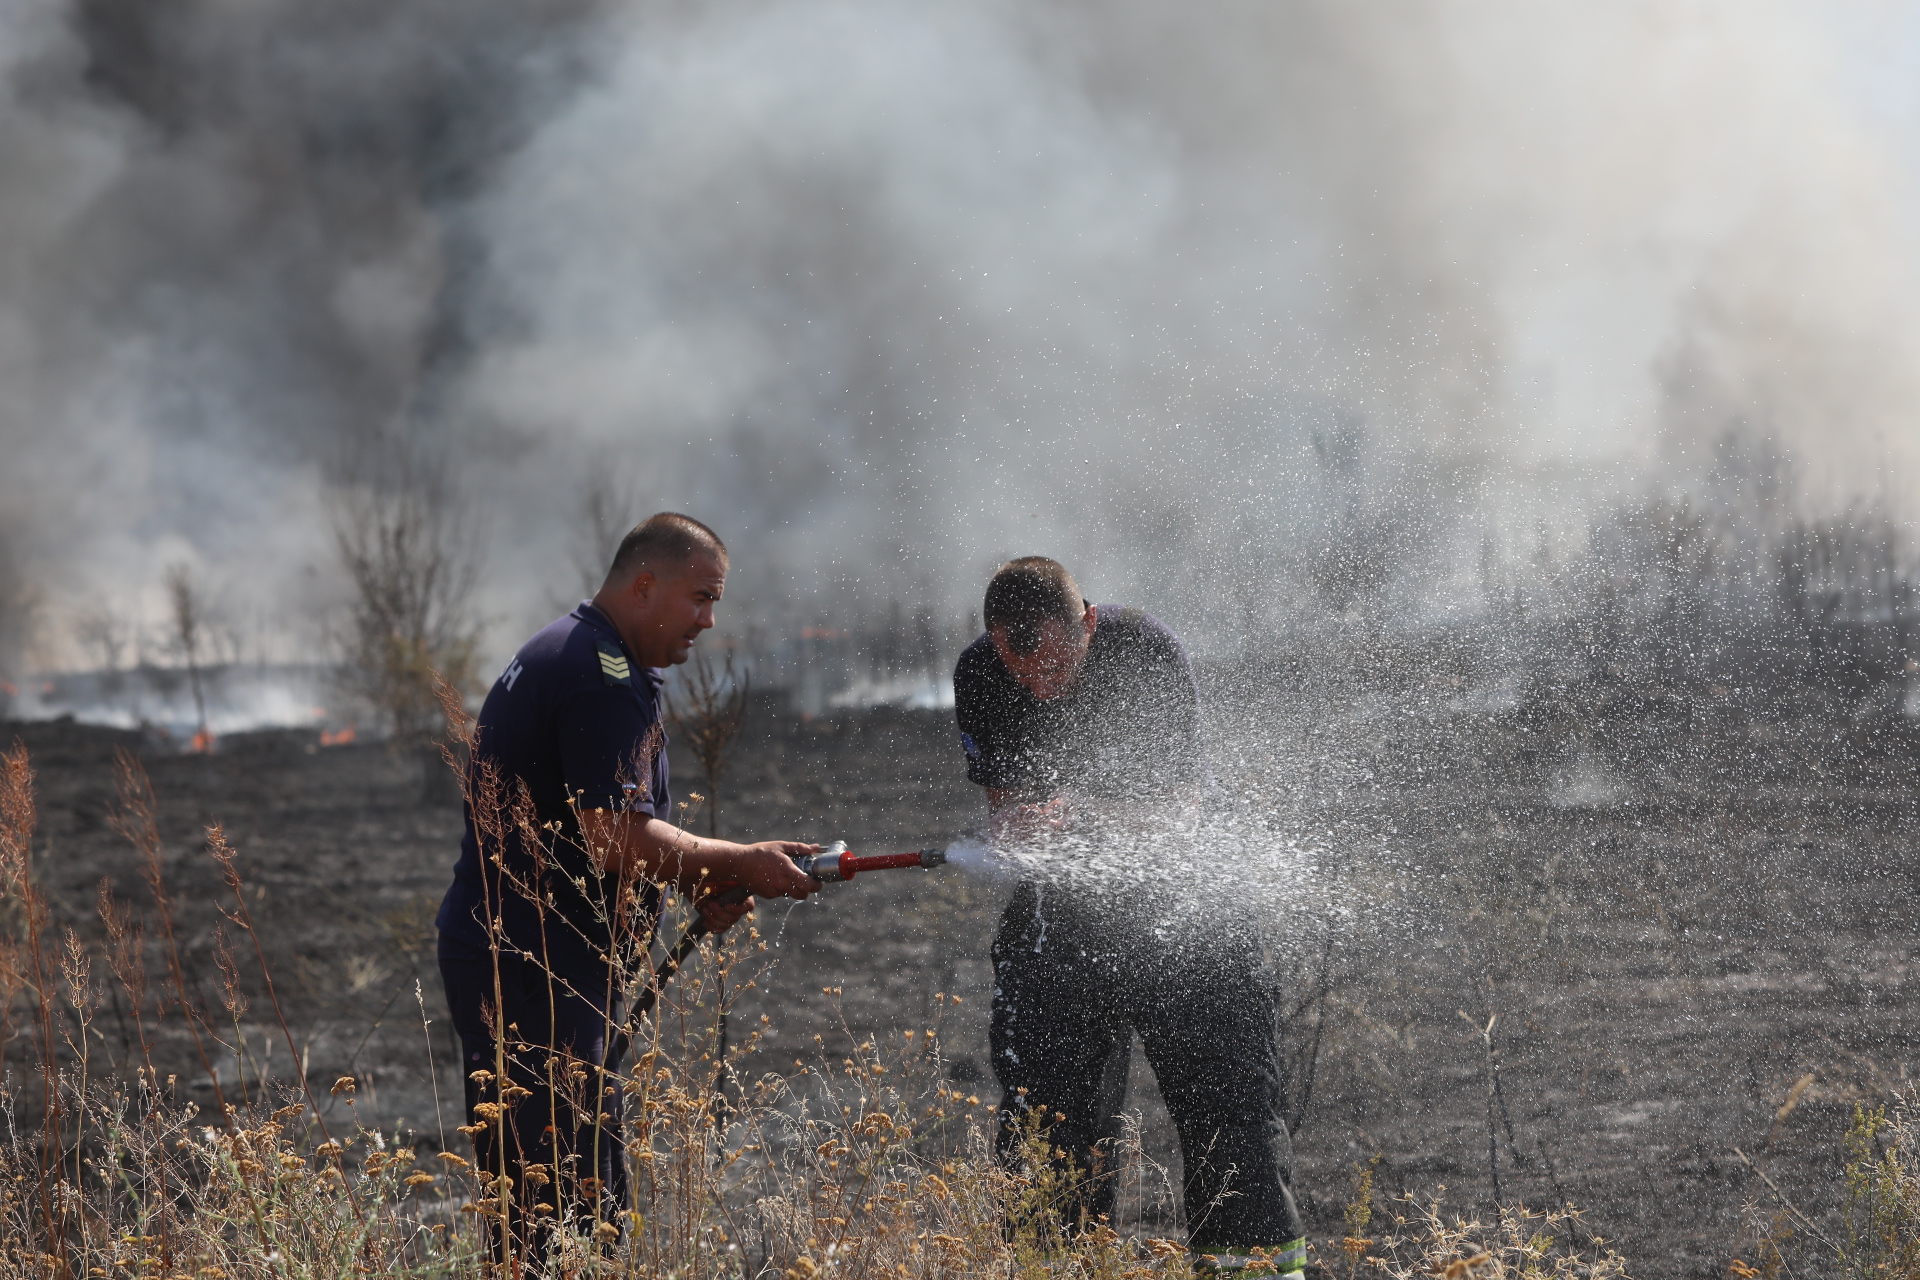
{"points": [[706, 714], [864, 1159], [866, 1154], [405, 547]]}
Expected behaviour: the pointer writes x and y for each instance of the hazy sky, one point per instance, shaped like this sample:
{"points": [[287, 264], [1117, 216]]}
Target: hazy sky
{"points": [[886, 291]]}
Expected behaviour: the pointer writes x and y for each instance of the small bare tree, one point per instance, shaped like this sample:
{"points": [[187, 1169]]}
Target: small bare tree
{"points": [[107, 639], [188, 617], [706, 714], [408, 553], [105, 636], [607, 510]]}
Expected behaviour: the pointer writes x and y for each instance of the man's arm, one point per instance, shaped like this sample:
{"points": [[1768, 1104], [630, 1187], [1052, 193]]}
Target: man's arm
{"points": [[640, 846], [597, 731], [988, 765]]}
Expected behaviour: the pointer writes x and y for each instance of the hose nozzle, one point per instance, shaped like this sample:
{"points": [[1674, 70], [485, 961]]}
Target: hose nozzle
{"points": [[824, 866], [834, 864]]}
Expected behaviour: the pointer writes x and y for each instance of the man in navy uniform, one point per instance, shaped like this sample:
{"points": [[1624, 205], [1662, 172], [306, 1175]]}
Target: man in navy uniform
{"points": [[1077, 717], [547, 910]]}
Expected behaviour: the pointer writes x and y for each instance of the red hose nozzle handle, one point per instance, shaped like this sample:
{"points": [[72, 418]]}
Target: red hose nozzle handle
{"points": [[833, 863]]}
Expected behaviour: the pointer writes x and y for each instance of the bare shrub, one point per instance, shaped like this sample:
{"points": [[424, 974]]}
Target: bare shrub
{"points": [[408, 553], [606, 511], [186, 612], [1879, 1231], [1418, 1238], [706, 712], [106, 637]]}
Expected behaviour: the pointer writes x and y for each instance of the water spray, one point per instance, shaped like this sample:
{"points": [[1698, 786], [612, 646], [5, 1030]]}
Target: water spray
{"points": [[832, 865]]}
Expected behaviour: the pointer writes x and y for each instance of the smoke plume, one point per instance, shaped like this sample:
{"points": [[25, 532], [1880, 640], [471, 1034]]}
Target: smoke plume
{"points": [[1236, 312]]}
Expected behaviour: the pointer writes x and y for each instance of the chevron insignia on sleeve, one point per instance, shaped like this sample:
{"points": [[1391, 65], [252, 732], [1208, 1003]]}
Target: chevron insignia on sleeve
{"points": [[614, 668]]}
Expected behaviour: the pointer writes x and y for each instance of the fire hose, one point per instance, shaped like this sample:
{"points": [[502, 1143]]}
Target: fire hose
{"points": [[832, 865]]}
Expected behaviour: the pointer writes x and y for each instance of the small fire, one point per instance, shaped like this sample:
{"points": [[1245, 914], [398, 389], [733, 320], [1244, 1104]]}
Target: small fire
{"points": [[336, 738], [202, 743]]}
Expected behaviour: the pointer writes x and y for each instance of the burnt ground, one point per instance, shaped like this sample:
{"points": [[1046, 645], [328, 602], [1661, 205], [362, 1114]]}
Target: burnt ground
{"points": [[1674, 925]]}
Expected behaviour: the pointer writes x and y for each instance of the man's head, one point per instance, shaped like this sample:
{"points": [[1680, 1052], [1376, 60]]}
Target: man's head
{"points": [[1040, 625], [666, 577]]}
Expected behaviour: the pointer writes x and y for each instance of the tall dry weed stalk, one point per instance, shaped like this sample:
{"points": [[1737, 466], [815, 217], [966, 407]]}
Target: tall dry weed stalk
{"points": [[706, 715]]}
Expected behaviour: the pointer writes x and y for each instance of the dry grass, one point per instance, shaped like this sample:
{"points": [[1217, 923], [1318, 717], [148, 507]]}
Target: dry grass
{"points": [[862, 1161], [1878, 1234]]}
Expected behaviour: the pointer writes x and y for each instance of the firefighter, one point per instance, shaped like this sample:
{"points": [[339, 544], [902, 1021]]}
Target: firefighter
{"points": [[1086, 718], [532, 934]]}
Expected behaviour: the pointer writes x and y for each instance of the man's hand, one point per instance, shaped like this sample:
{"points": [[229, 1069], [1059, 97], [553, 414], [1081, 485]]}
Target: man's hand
{"points": [[718, 915], [766, 868], [1031, 821]]}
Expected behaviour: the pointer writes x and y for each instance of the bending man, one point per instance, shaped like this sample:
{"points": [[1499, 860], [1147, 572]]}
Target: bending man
{"points": [[1085, 720]]}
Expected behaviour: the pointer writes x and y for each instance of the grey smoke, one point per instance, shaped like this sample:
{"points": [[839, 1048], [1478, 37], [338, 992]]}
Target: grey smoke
{"points": [[1234, 311]]}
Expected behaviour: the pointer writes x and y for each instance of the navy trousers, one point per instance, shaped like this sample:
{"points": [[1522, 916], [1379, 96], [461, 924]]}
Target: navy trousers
{"points": [[1074, 978], [568, 1124]]}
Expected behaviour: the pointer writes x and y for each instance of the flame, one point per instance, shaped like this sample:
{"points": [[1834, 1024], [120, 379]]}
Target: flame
{"points": [[202, 743], [336, 738]]}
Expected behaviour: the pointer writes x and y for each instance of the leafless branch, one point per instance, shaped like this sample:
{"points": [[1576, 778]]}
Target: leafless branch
{"points": [[706, 713], [407, 550], [188, 611]]}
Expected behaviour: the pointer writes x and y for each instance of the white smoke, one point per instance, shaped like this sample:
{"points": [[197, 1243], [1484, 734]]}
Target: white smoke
{"points": [[887, 291]]}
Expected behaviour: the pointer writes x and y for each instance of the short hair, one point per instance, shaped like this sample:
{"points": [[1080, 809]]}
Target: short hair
{"points": [[1025, 593], [663, 539]]}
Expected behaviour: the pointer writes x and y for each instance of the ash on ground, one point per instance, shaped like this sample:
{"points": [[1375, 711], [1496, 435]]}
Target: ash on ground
{"points": [[1673, 918]]}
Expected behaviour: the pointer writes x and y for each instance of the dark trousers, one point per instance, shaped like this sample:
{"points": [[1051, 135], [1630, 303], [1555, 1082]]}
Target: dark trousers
{"points": [[560, 1143], [1073, 979]]}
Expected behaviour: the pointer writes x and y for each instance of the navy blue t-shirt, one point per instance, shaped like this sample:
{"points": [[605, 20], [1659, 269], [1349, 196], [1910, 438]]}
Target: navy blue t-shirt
{"points": [[574, 716], [1128, 729]]}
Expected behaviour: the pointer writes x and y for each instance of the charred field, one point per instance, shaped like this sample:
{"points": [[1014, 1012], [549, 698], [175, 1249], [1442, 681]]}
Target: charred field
{"points": [[1689, 925]]}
